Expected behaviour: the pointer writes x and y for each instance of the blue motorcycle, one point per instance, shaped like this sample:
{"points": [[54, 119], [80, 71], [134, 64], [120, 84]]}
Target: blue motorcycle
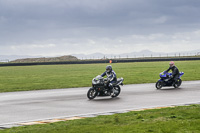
{"points": [[165, 81]]}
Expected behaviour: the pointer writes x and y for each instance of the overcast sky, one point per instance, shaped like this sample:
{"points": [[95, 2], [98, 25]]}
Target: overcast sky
{"points": [[63, 27]]}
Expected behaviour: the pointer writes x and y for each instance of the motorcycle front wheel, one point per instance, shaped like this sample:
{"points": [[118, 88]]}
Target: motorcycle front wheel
{"points": [[91, 93], [159, 85]]}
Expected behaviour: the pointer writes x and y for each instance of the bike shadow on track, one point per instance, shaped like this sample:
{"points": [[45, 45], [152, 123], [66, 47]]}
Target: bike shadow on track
{"points": [[105, 99], [169, 88]]}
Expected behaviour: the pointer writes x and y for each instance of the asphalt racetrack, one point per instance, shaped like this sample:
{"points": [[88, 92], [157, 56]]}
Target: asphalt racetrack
{"points": [[27, 106]]}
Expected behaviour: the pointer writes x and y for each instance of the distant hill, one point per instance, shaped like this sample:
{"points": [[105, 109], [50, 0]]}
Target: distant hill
{"points": [[143, 53], [8, 58], [43, 59]]}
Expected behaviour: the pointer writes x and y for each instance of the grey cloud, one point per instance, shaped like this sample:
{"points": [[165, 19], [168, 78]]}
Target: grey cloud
{"points": [[32, 21]]}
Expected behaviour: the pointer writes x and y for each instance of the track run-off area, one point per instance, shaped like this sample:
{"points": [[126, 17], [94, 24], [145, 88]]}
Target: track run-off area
{"points": [[30, 106]]}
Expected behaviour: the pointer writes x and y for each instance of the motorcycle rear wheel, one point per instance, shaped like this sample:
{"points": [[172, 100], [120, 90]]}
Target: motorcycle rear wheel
{"points": [[178, 83], [117, 91], [91, 93], [159, 85]]}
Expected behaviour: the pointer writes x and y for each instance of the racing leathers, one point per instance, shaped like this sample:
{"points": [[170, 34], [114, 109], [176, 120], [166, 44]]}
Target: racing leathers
{"points": [[112, 78], [175, 73]]}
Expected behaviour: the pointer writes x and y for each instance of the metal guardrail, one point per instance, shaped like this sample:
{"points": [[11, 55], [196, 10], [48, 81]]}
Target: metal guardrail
{"points": [[103, 61]]}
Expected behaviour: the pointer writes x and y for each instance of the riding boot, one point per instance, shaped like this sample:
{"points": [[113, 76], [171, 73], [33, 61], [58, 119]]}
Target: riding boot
{"points": [[111, 87], [174, 81]]}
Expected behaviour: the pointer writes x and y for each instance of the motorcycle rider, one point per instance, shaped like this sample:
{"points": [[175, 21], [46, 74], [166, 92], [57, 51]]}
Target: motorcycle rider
{"points": [[111, 76], [175, 72]]}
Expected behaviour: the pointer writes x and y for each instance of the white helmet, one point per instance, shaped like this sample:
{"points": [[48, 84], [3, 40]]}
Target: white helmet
{"points": [[171, 64]]}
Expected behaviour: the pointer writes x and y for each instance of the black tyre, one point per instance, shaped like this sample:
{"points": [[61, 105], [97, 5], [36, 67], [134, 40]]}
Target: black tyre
{"points": [[117, 91], [91, 93], [177, 83], [159, 85]]}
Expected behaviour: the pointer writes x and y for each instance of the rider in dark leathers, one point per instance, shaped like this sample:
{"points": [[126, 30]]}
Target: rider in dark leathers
{"points": [[175, 72], [111, 75]]}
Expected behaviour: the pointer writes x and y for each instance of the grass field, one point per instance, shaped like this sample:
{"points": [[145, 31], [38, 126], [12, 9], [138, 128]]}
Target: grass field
{"points": [[183, 119], [21, 78]]}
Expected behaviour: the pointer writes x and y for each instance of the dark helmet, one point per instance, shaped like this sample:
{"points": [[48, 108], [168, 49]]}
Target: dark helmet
{"points": [[108, 68]]}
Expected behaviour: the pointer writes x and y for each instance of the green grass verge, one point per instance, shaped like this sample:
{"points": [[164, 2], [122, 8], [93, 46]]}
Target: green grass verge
{"points": [[23, 78], [182, 119]]}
